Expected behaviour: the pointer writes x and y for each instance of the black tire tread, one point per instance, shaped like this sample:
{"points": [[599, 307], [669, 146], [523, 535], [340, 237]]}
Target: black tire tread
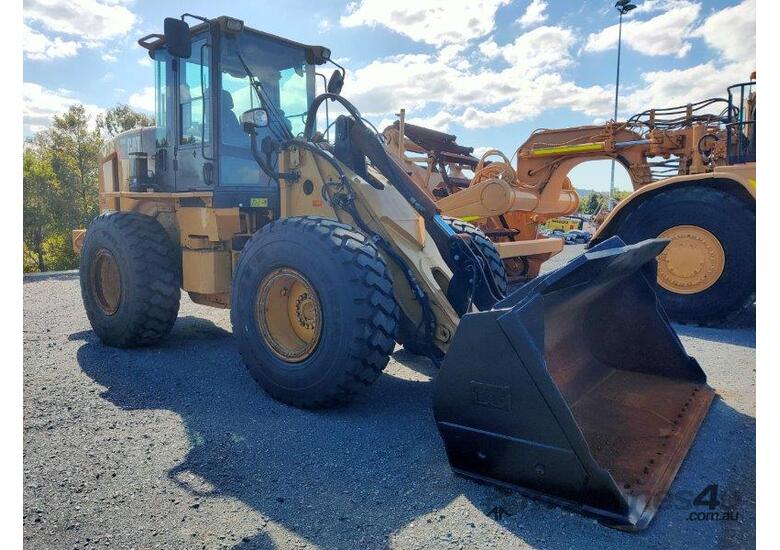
{"points": [[156, 277], [729, 203], [371, 349], [485, 245]]}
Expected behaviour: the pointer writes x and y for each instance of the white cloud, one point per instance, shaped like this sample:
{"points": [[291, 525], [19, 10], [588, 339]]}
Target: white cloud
{"points": [[436, 22], [145, 61], [683, 86], [534, 14], [40, 104], [38, 46], [479, 151], [532, 97], [63, 27], [143, 100], [90, 19], [441, 91], [439, 121], [664, 34], [489, 48], [451, 53], [541, 50], [323, 25], [732, 31]]}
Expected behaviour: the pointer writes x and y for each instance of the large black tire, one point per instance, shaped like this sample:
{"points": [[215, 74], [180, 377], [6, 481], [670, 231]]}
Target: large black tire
{"points": [[485, 246], [731, 220], [149, 269], [358, 310], [408, 338]]}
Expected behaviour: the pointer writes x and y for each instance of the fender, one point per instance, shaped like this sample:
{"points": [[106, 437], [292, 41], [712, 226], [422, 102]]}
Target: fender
{"points": [[730, 177]]}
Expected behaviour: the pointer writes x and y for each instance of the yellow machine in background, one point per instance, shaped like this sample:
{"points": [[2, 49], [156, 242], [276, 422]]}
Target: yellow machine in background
{"points": [[693, 172], [482, 190], [694, 179], [564, 223]]}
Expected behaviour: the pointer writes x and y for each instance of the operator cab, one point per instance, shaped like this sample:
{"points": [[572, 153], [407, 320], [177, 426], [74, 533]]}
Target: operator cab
{"points": [[205, 70]]}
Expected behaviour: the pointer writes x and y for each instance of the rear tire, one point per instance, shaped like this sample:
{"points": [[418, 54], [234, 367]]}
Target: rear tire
{"points": [[355, 326], [130, 275], [730, 220]]}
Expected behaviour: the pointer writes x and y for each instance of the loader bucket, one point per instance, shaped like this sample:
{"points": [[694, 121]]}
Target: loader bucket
{"points": [[575, 389]]}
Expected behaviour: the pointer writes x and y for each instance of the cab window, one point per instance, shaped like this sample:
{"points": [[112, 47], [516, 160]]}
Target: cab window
{"points": [[194, 96], [161, 60], [293, 98]]}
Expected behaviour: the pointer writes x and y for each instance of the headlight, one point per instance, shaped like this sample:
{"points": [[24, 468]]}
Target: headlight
{"points": [[233, 25]]}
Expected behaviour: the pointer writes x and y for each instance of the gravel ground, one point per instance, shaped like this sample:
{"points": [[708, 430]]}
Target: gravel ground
{"points": [[176, 447]]}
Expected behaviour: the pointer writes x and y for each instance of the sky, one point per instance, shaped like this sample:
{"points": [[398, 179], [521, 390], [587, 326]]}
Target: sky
{"points": [[489, 71]]}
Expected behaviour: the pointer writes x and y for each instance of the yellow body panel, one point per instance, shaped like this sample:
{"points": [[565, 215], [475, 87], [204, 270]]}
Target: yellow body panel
{"points": [[206, 271], [215, 224], [535, 247]]}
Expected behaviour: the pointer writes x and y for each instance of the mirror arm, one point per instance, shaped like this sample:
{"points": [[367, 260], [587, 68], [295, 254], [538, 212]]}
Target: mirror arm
{"points": [[192, 15], [327, 114]]}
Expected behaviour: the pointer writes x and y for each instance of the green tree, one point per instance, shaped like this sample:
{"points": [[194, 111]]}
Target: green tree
{"points": [[592, 202], [60, 188], [40, 199], [120, 118], [75, 154]]}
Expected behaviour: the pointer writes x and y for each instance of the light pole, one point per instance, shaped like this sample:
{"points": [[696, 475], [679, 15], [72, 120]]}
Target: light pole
{"points": [[623, 7]]}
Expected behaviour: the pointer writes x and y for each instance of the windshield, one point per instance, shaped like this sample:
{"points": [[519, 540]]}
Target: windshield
{"points": [[281, 70], [288, 83]]}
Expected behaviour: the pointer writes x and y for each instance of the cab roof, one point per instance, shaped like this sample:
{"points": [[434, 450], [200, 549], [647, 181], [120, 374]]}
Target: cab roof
{"points": [[154, 41]]}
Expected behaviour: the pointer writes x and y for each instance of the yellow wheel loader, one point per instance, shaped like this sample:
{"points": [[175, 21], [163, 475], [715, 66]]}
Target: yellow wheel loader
{"points": [[327, 254]]}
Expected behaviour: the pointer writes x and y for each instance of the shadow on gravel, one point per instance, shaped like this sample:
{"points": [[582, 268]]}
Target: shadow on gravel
{"points": [[736, 337], [351, 477], [740, 331]]}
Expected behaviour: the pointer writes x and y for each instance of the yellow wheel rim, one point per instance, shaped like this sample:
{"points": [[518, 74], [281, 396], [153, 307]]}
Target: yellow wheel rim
{"points": [[288, 314], [106, 282], [692, 262]]}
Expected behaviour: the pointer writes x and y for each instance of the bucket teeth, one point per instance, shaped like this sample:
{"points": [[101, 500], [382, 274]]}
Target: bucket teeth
{"points": [[575, 389]]}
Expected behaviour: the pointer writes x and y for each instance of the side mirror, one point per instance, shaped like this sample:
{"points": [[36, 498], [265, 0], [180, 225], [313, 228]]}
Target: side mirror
{"points": [[336, 82], [254, 118], [177, 37]]}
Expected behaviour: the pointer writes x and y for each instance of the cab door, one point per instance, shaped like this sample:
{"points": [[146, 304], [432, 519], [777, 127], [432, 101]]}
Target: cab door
{"points": [[165, 120], [193, 155]]}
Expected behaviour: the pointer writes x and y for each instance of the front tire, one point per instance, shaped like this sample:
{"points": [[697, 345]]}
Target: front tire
{"points": [[486, 247], [412, 342], [707, 274], [313, 311], [130, 276]]}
